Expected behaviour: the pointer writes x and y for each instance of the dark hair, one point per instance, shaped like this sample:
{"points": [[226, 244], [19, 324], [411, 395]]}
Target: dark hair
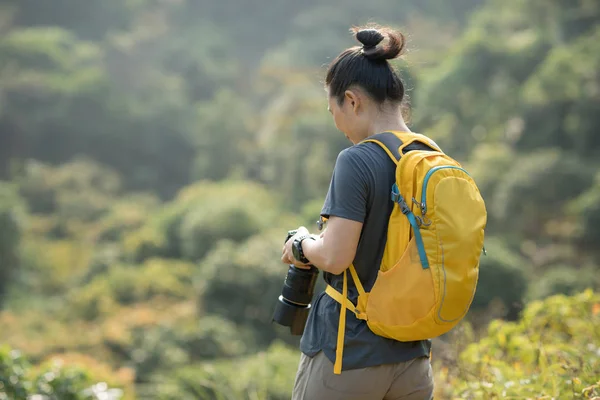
{"points": [[367, 66]]}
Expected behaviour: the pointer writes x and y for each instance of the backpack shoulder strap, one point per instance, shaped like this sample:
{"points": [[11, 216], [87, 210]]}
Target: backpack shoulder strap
{"points": [[388, 142], [393, 145]]}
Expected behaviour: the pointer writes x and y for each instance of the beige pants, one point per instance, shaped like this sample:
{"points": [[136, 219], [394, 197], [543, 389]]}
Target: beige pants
{"points": [[411, 380]]}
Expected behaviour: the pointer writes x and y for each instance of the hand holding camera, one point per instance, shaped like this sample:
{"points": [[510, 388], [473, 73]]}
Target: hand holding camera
{"points": [[292, 252], [293, 304]]}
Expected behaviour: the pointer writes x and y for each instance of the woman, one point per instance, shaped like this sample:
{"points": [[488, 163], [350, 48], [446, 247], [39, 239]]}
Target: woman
{"points": [[365, 95]]}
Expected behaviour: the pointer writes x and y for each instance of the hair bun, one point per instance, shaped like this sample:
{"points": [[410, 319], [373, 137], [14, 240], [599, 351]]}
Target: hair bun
{"points": [[369, 37]]}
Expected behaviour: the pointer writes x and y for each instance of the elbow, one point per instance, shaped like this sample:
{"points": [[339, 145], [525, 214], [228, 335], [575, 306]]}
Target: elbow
{"points": [[338, 269], [337, 265]]}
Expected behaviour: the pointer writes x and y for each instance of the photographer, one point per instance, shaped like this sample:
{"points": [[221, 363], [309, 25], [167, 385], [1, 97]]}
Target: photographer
{"points": [[364, 96]]}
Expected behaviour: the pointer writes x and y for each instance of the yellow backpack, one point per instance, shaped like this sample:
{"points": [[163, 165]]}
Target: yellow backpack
{"points": [[430, 266]]}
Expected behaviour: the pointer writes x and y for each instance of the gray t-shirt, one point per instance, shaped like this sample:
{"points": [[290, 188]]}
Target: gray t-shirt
{"points": [[360, 191]]}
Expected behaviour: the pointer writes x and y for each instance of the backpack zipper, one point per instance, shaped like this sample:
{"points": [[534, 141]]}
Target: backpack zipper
{"points": [[426, 181]]}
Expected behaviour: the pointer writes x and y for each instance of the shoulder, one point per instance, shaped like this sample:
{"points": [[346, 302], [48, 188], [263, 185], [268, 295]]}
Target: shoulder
{"points": [[361, 153], [366, 162], [366, 158]]}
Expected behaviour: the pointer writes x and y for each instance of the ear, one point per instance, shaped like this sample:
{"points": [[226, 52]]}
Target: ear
{"points": [[352, 98]]}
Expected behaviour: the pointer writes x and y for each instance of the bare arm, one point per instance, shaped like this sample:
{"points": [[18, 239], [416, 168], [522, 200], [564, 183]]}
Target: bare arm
{"points": [[334, 250], [346, 206]]}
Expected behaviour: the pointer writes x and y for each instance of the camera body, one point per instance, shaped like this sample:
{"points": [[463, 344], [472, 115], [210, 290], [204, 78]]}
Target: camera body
{"points": [[294, 303]]}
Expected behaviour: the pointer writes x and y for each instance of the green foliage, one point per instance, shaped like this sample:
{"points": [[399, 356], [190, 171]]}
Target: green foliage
{"points": [[206, 212], [10, 236], [531, 189], [108, 15], [126, 214], [551, 351], [53, 58], [93, 301], [564, 280], [71, 384], [152, 148], [203, 227], [501, 277], [80, 190], [242, 283], [518, 56], [128, 284], [266, 375], [587, 209], [13, 370], [213, 337], [220, 138], [488, 164], [73, 96], [310, 213], [561, 99], [153, 349], [53, 381], [64, 261]]}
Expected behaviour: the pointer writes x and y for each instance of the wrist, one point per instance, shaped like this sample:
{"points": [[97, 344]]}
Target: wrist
{"points": [[308, 243], [299, 247]]}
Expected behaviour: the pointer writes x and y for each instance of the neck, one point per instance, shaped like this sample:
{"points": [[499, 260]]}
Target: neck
{"points": [[384, 122], [394, 124]]}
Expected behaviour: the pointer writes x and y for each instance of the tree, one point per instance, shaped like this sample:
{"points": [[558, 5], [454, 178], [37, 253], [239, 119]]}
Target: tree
{"points": [[503, 276], [11, 225]]}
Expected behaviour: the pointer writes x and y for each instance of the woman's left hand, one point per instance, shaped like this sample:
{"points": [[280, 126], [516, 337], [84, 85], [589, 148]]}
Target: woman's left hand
{"points": [[287, 256]]}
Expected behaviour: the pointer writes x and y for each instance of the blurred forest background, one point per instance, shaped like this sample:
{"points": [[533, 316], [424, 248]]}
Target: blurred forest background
{"points": [[154, 153]]}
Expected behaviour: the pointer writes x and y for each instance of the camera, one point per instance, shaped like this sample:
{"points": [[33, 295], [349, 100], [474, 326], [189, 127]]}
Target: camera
{"points": [[294, 303]]}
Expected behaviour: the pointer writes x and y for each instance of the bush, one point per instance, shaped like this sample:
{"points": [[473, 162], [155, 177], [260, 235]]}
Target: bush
{"points": [[127, 284], [212, 337], [242, 283], [551, 352], [64, 261], [564, 280], [265, 375], [204, 225], [202, 214], [154, 348], [144, 243], [501, 277], [162, 278], [488, 164], [586, 208], [531, 192], [147, 336], [13, 370], [81, 189], [92, 301], [71, 383], [53, 380], [126, 215], [10, 237]]}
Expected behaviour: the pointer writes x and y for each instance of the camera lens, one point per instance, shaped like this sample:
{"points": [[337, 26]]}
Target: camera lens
{"points": [[293, 305], [299, 285]]}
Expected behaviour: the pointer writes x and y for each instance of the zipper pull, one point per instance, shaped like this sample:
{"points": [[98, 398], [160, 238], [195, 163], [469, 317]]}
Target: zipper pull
{"points": [[420, 206], [484, 252]]}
